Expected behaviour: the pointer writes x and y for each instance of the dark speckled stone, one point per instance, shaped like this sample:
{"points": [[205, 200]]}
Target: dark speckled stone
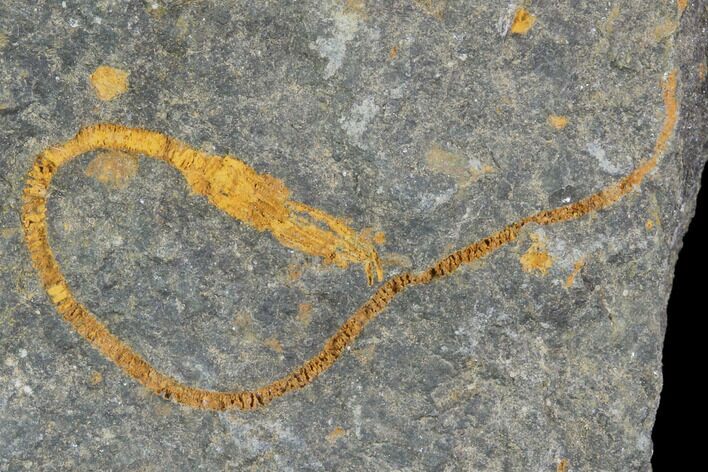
{"points": [[493, 368]]}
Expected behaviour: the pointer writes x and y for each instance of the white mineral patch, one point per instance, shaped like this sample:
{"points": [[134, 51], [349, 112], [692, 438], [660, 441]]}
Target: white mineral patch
{"points": [[358, 119], [444, 197], [397, 92], [334, 48], [596, 151]]}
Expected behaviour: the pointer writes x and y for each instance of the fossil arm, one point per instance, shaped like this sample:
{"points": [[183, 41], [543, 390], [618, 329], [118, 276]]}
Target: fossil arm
{"points": [[262, 201]]}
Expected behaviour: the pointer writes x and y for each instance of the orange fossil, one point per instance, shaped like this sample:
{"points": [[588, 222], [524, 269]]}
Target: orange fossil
{"points": [[267, 207], [259, 200]]}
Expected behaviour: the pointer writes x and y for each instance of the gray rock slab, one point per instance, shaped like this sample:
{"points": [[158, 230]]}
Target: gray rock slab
{"points": [[427, 120]]}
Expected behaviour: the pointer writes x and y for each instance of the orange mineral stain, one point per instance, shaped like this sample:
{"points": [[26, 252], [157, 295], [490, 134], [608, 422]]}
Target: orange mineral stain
{"points": [[453, 165], [445, 162], [681, 5], [200, 170], [558, 121], [274, 345], [109, 82], [579, 264], [294, 272], [536, 258], [96, 378], [304, 313], [365, 354], [396, 260], [522, 22], [335, 434], [113, 169], [668, 86], [435, 8], [664, 30], [357, 7]]}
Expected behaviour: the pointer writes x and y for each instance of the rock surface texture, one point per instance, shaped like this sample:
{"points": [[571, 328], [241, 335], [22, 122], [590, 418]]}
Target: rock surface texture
{"points": [[420, 127]]}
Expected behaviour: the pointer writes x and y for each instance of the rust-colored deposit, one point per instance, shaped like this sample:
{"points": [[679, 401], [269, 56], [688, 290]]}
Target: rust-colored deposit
{"points": [[522, 22], [113, 169], [266, 196], [536, 258], [558, 121], [681, 5], [577, 267], [109, 82]]}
